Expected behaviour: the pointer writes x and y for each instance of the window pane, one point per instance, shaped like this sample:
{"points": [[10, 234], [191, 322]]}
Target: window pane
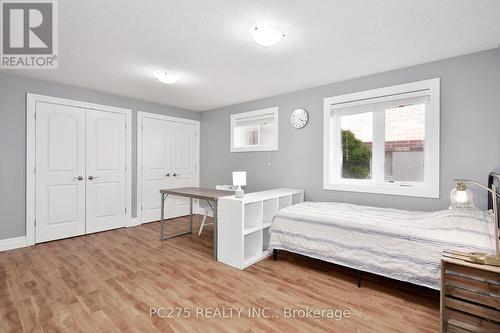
{"points": [[404, 143], [254, 132], [267, 133], [245, 136], [357, 136]]}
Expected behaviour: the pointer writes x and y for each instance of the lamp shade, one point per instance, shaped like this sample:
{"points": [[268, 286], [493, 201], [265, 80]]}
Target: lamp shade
{"points": [[461, 197], [239, 178]]}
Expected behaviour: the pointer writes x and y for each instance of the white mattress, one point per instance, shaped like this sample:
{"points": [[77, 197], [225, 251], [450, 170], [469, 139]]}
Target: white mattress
{"points": [[400, 244]]}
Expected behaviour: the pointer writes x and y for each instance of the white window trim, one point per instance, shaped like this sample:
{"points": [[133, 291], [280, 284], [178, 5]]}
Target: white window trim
{"points": [[430, 189], [256, 113]]}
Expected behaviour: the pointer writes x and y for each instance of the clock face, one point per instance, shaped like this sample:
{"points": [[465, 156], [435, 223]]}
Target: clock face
{"points": [[299, 118]]}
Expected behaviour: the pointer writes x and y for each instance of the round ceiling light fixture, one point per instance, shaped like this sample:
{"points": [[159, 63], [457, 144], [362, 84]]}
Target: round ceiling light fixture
{"points": [[266, 35], [167, 78]]}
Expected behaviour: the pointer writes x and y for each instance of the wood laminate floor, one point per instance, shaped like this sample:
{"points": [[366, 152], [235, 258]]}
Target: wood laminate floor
{"points": [[110, 281]]}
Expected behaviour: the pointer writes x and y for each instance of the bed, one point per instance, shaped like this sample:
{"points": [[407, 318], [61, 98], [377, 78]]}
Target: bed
{"points": [[399, 244]]}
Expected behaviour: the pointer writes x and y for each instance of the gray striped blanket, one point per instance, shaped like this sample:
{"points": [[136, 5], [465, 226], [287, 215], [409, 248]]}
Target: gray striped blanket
{"points": [[400, 244]]}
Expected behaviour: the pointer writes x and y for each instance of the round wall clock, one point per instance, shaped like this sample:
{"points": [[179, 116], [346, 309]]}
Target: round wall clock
{"points": [[299, 118]]}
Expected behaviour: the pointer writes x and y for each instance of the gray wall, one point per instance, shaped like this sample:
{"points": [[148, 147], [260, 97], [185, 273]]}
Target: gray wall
{"points": [[470, 145], [470, 141], [13, 91]]}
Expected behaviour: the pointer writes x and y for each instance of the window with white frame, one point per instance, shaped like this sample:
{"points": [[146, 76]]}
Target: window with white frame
{"points": [[255, 130], [384, 140]]}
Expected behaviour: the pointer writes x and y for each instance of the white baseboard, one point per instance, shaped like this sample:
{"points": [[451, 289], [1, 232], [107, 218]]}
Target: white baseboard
{"points": [[12, 243], [18, 242]]}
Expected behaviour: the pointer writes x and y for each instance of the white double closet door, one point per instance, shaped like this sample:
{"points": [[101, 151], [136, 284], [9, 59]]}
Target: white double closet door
{"points": [[169, 160], [80, 171]]}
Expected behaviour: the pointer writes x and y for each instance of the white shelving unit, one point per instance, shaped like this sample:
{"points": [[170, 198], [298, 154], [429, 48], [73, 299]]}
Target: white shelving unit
{"points": [[244, 223]]}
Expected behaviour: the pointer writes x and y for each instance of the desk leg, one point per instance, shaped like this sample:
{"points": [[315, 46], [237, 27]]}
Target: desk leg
{"points": [[191, 214], [215, 229], [162, 220]]}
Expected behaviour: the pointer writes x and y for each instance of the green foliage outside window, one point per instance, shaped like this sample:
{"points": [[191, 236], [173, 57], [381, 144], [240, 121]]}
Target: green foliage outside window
{"points": [[355, 156]]}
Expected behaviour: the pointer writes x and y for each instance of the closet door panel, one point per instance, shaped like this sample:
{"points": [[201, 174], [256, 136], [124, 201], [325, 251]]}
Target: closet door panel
{"points": [[154, 167], [60, 161], [105, 171], [183, 163]]}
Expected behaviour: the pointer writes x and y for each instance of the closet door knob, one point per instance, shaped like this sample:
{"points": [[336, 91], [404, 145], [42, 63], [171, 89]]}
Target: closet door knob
{"points": [[176, 174], [78, 178], [167, 174], [92, 177]]}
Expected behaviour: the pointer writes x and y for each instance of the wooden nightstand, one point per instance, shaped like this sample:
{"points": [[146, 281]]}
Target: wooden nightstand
{"points": [[470, 297]]}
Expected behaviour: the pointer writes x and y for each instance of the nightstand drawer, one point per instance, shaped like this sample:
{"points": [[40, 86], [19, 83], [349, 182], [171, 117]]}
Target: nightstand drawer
{"points": [[478, 284], [462, 322], [472, 294], [486, 312]]}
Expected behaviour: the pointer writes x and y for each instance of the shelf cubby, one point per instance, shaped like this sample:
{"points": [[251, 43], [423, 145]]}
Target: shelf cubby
{"points": [[270, 208], [285, 201], [297, 198], [253, 246], [266, 237], [253, 216]]}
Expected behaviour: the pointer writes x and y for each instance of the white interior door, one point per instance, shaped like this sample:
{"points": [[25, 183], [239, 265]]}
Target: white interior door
{"points": [[105, 171], [182, 163], [60, 172], [168, 160], [155, 153]]}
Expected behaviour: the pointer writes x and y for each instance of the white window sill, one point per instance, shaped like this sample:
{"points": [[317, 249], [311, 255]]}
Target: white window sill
{"points": [[390, 189], [254, 148]]}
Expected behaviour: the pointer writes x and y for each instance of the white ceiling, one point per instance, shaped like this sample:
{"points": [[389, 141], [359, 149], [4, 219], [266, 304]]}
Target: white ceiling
{"points": [[116, 46]]}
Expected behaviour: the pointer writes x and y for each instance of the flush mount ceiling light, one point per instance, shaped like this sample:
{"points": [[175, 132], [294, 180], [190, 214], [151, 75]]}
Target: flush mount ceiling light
{"points": [[167, 78], [266, 35]]}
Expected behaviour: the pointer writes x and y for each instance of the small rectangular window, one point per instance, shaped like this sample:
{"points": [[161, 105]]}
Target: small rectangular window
{"points": [[384, 140], [255, 130]]}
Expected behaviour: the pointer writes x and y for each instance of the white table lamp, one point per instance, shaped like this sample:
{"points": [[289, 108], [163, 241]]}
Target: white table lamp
{"points": [[239, 179], [461, 197]]}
